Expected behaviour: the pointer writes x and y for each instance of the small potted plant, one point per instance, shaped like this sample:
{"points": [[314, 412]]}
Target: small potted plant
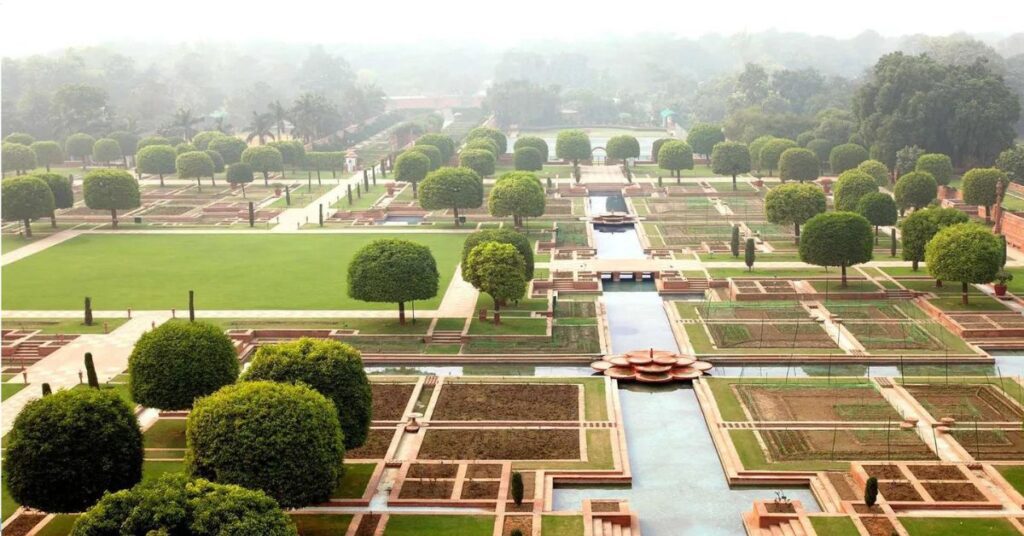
{"points": [[278, 188], [758, 181], [1002, 277]]}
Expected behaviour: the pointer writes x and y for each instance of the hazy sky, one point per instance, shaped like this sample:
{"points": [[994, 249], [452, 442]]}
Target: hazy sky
{"points": [[31, 26]]}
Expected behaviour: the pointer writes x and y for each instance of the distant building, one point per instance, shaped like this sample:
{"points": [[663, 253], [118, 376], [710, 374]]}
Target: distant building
{"points": [[441, 102]]}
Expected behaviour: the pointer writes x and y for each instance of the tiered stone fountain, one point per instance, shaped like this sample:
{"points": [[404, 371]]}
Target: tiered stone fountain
{"points": [[651, 366]]}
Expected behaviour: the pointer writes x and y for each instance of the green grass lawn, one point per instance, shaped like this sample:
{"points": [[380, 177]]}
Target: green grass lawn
{"points": [[226, 271], [41, 228], [950, 297], [120, 388], [753, 456], [8, 390], [152, 470], [353, 484], [851, 286], [7, 504], [71, 326], [1014, 474], [834, 526], [366, 326], [699, 170], [60, 525], [302, 196], [446, 525], [362, 203], [509, 326], [165, 434], [731, 410], [322, 524], [766, 271], [561, 525], [951, 526]]}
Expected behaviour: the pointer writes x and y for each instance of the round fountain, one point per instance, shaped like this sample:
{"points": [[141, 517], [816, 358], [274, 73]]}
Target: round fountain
{"points": [[651, 366]]}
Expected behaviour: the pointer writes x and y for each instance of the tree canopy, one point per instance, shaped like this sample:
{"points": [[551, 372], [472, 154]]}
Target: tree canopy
{"points": [[572, 145], [263, 159], [25, 199], [443, 143], [980, 186], [79, 145], [60, 186], [497, 269], [878, 208], [485, 144], [393, 271], [915, 190], [793, 204], [836, 239], [479, 160], [491, 133], [518, 194], [939, 166], [20, 138], [528, 159], [229, 147], [1011, 161], [17, 157], [851, 185], [917, 229], [622, 147], [156, 160], [798, 164], [703, 137], [106, 150], [504, 236], [877, 170], [432, 152], [730, 158], [452, 188], [194, 165], [111, 189], [846, 156], [412, 167], [48, 153], [772, 152], [964, 252], [535, 142], [675, 156]]}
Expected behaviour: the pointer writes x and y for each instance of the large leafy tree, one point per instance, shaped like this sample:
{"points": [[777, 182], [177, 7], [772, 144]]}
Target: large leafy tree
{"points": [[840, 239], [793, 204], [452, 188], [703, 137], [730, 158], [964, 252], [939, 166], [535, 142], [799, 164], [156, 160], [980, 187], [623, 148], [915, 190], [175, 504], [675, 156], [573, 145], [60, 187], [492, 134], [194, 165], [263, 159], [517, 194], [25, 199], [333, 368], [282, 439], [67, 449], [879, 209], [203, 139], [917, 229], [173, 365], [240, 174], [111, 189], [1011, 161], [293, 153], [393, 271], [229, 147], [479, 160], [772, 152], [504, 236], [412, 167], [20, 138], [443, 142], [17, 157], [498, 270], [846, 156], [106, 150], [48, 153], [851, 185]]}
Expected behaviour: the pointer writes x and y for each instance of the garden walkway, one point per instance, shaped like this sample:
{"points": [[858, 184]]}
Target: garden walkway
{"points": [[460, 298], [294, 218], [601, 174], [60, 369], [37, 246]]}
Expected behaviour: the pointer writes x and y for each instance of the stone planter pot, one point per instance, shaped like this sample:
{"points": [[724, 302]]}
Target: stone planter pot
{"points": [[1000, 290]]}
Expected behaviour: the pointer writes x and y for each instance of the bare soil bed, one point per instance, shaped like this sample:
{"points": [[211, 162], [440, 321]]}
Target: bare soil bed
{"points": [[604, 506], [954, 491], [432, 470], [885, 472], [878, 526], [967, 403], [899, 491], [507, 402], [842, 445], [937, 472], [368, 525], [843, 485], [22, 524], [501, 444], [780, 508], [483, 470], [523, 523], [480, 489], [529, 482], [803, 403], [426, 489], [376, 446], [390, 400], [991, 444], [793, 334]]}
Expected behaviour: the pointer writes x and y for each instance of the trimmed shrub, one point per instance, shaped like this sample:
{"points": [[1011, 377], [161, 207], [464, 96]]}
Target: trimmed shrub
{"points": [[504, 236], [528, 159]]}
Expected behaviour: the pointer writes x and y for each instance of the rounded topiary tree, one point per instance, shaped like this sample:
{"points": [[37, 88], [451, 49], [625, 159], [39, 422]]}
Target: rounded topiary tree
{"points": [[152, 140], [433, 153], [794, 204], [20, 138], [798, 164], [518, 194], [412, 167], [703, 137], [821, 148], [573, 146], [498, 270], [980, 187], [239, 173], [282, 439], [263, 159], [879, 209], [111, 189], [178, 362], [393, 271], [218, 161], [485, 144], [656, 146], [333, 368], [493, 134], [772, 152], [964, 252], [106, 150], [203, 139], [846, 156], [479, 160], [229, 147], [442, 142], [730, 158], [194, 165], [17, 158], [79, 146], [185, 147], [877, 170], [623, 147], [528, 159], [675, 156], [755, 152], [48, 153], [915, 190], [938, 165], [67, 449], [1011, 161], [840, 239], [918, 229], [25, 199], [850, 187], [60, 187], [175, 504], [503, 236], [535, 142], [157, 160], [452, 188]]}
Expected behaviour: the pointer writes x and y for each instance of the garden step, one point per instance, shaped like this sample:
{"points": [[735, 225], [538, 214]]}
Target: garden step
{"points": [[798, 528], [597, 527]]}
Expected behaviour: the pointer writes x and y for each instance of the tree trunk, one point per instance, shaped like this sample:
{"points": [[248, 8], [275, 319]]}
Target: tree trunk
{"points": [[913, 264], [734, 181], [266, 179], [213, 180], [796, 233], [456, 210], [53, 219], [876, 235], [401, 313], [243, 190], [47, 167], [964, 291], [28, 228], [113, 216], [161, 180], [843, 268], [199, 183], [414, 189]]}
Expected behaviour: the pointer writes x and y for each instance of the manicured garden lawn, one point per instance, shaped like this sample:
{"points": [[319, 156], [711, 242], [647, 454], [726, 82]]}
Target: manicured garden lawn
{"points": [[302, 196], [753, 456], [8, 390], [121, 389], [353, 484], [165, 434], [1014, 474], [60, 525], [71, 326], [950, 297], [509, 326], [834, 526], [7, 504], [41, 228], [951, 526], [366, 326], [561, 525], [447, 525], [766, 271], [361, 203], [227, 271], [152, 470], [322, 524]]}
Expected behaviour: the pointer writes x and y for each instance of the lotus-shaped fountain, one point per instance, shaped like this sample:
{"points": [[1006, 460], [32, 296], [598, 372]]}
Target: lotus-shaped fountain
{"points": [[651, 366]]}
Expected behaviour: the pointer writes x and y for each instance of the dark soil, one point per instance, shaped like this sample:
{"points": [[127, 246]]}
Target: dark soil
{"points": [[390, 400], [898, 491], [780, 508], [523, 523], [22, 524], [937, 472], [368, 525], [501, 444], [426, 489], [967, 403], [529, 481], [507, 402], [480, 489], [376, 446], [953, 491], [483, 470], [433, 470], [843, 486], [877, 526], [884, 472]]}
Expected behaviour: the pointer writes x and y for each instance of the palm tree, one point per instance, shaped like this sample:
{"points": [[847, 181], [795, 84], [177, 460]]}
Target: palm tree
{"points": [[220, 126], [184, 120], [280, 115], [260, 128]]}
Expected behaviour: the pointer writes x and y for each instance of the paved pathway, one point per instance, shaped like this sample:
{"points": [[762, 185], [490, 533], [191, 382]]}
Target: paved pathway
{"points": [[601, 174], [294, 218], [37, 246], [460, 298], [60, 369]]}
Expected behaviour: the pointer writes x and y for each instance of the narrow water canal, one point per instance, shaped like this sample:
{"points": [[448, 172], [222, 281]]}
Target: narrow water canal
{"points": [[614, 241]]}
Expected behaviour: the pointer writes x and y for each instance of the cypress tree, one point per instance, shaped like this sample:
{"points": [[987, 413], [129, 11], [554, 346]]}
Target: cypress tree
{"points": [[517, 487], [734, 244], [871, 491], [749, 254], [90, 371], [892, 245], [47, 390], [88, 311]]}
